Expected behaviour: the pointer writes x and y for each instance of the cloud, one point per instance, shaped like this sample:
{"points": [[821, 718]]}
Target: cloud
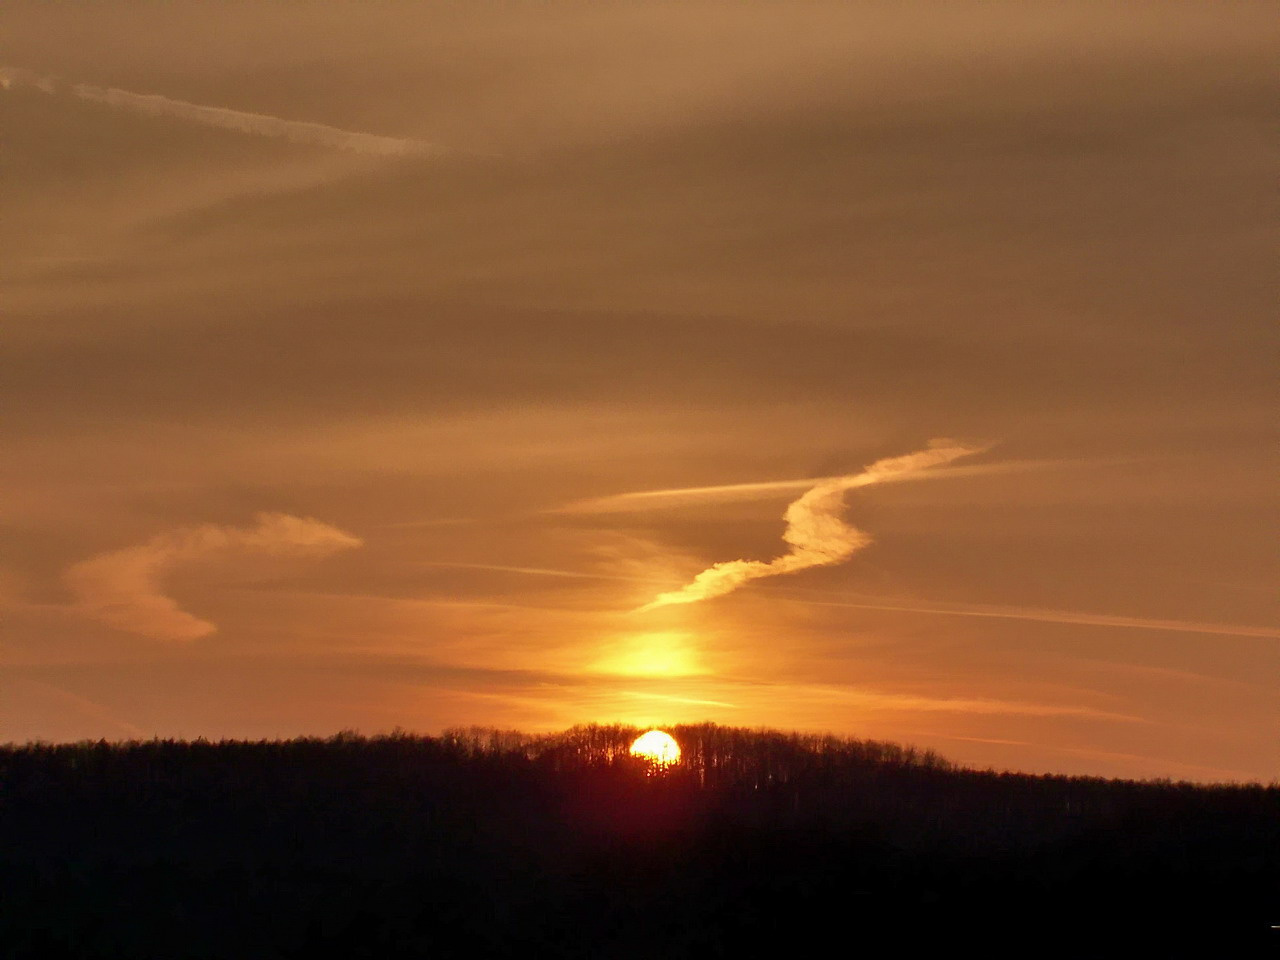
{"points": [[816, 534], [1072, 617], [541, 572], [638, 500], [258, 124], [648, 499], [123, 588]]}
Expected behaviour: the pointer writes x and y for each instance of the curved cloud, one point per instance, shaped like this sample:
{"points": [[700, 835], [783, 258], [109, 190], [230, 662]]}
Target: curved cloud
{"points": [[123, 588], [258, 124], [816, 534]]}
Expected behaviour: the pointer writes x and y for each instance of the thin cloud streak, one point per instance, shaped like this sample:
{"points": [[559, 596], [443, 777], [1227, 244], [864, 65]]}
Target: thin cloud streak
{"points": [[240, 121], [1041, 615], [662, 499], [997, 707], [123, 588], [651, 499], [815, 533], [995, 740], [539, 571], [667, 698], [916, 703]]}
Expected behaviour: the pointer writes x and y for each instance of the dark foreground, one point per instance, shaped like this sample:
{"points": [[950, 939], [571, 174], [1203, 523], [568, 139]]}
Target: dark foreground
{"points": [[479, 845]]}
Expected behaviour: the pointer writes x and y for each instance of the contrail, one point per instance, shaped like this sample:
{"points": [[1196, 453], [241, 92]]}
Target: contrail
{"points": [[816, 534], [648, 499], [637, 500], [1070, 617], [258, 124], [541, 571]]}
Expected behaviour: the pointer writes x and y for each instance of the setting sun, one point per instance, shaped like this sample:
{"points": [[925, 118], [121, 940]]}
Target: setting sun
{"points": [[657, 747]]}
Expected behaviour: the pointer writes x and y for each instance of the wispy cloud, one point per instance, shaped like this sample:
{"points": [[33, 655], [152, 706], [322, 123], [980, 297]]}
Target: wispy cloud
{"points": [[541, 571], [764, 490], [980, 705], [815, 533], [650, 499], [826, 697], [1041, 615], [667, 698], [124, 589], [257, 124], [996, 740]]}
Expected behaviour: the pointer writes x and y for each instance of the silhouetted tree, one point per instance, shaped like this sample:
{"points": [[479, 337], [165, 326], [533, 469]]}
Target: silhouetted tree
{"points": [[483, 842]]}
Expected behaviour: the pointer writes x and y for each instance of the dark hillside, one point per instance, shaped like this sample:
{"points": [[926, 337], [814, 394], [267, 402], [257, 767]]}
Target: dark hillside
{"points": [[484, 843]]}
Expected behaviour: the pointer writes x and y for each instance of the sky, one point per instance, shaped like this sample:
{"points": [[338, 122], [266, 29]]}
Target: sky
{"points": [[405, 365]]}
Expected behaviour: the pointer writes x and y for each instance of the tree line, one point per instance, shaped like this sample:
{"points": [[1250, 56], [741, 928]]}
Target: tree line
{"points": [[483, 842]]}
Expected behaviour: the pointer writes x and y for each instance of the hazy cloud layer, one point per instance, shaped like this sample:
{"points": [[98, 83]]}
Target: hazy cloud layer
{"points": [[816, 534], [674, 254], [124, 588]]}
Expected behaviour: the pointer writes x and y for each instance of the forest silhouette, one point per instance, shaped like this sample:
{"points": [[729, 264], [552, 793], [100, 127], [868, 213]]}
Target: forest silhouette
{"points": [[483, 842]]}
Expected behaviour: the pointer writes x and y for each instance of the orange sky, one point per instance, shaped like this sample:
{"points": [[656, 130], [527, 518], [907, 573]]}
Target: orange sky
{"points": [[374, 365]]}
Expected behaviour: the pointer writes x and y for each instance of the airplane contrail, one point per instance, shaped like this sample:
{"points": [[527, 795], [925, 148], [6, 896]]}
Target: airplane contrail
{"points": [[1069, 617], [816, 534], [257, 124], [666, 498]]}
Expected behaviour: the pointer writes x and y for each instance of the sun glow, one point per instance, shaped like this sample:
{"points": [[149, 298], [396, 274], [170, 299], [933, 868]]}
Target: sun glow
{"points": [[660, 654], [659, 748]]}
